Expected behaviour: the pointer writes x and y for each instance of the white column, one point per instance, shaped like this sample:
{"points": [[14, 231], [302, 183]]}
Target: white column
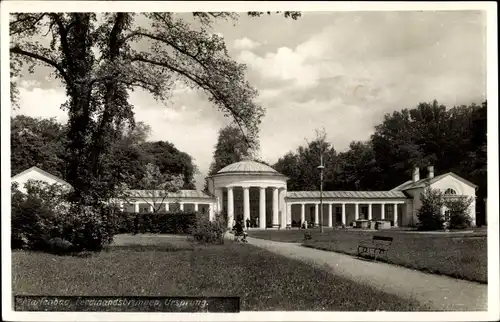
{"points": [[262, 208], [219, 195], [369, 211], [283, 208], [230, 207], [196, 207], [302, 213], [473, 213], [181, 206], [275, 208], [330, 215], [395, 215], [382, 211], [211, 213], [289, 214], [167, 206], [343, 214], [246, 204], [356, 210], [136, 207], [316, 214]]}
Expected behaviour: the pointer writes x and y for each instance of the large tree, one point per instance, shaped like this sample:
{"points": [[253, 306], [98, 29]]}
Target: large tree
{"points": [[99, 59]]}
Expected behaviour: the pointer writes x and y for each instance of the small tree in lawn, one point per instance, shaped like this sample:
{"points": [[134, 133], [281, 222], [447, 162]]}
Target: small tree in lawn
{"points": [[429, 214], [156, 187], [210, 231], [459, 207]]}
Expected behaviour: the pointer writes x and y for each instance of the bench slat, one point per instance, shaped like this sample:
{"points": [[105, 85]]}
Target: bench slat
{"points": [[384, 238]]}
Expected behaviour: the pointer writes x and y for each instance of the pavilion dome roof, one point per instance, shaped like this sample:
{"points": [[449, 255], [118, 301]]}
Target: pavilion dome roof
{"points": [[247, 166]]}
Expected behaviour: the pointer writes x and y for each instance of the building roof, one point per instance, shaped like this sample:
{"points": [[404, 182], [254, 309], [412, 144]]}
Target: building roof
{"points": [[346, 194], [196, 194], [247, 166], [45, 173], [422, 183]]}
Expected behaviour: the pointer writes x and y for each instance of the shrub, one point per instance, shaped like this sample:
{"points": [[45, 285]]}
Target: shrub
{"points": [[429, 214], [156, 223], [307, 236], [459, 212], [59, 246], [37, 216], [43, 219], [209, 232], [90, 227]]}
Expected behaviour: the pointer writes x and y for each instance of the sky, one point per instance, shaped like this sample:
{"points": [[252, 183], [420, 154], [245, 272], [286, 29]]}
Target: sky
{"points": [[341, 71]]}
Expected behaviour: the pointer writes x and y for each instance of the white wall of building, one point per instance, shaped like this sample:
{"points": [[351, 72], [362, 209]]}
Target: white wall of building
{"points": [[34, 174]]}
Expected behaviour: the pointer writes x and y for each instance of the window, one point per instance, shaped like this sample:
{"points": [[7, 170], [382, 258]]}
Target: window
{"points": [[447, 214], [450, 191]]}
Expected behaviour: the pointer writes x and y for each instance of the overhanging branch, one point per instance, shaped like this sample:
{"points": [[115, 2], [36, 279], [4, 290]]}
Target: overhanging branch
{"points": [[200, 83], [58, 67]]}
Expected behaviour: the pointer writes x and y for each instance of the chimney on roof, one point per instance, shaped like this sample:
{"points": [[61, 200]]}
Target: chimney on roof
{"points": [[416, 174], [430, 172]]}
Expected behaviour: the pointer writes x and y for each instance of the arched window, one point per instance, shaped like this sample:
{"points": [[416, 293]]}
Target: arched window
{"points": [[450, 191]]}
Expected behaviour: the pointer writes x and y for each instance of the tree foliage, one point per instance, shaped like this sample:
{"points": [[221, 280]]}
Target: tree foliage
{"points": [[459, 209], [301, 166], [358, 169], [100, 59], [155, 187], [429, 214], [37, 142], [231, 147]]}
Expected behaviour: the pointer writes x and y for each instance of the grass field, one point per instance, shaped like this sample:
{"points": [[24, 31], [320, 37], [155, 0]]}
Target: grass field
{"points": [[263, 281], [458, 255]]}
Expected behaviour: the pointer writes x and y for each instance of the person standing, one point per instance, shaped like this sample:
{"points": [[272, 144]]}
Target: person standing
{"points": [[257, 222], [248, 223]]}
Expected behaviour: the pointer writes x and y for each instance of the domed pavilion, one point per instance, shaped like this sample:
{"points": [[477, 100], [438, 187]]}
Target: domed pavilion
{"points": [[250, 190]]}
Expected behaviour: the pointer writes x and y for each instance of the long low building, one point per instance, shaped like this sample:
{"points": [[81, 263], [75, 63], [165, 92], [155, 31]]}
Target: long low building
{"points": [[250, 190]]}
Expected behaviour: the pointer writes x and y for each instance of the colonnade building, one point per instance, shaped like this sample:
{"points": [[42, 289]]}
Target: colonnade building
{"points": [[254, 192]]}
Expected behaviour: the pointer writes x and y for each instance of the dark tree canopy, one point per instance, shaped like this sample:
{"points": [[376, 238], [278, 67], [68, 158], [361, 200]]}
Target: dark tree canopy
{"points": [[301, 166], [37, 142], [231, 147]]}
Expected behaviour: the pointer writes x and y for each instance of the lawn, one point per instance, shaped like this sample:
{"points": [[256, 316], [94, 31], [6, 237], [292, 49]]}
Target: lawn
{"points": [[458, 255], [263, 280]]}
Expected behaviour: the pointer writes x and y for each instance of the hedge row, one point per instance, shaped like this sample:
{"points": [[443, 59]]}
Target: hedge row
{"points": [[156, 223]]}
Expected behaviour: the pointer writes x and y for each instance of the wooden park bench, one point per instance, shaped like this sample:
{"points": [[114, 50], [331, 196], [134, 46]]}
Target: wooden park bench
{"points": [[378, 245]]}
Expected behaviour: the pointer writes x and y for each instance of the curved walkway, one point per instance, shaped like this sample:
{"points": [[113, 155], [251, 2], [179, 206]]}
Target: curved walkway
{"points": [[440, 293]]}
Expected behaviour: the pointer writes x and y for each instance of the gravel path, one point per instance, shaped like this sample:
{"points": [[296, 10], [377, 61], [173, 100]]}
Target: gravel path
{"points": [[441, 293]]}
